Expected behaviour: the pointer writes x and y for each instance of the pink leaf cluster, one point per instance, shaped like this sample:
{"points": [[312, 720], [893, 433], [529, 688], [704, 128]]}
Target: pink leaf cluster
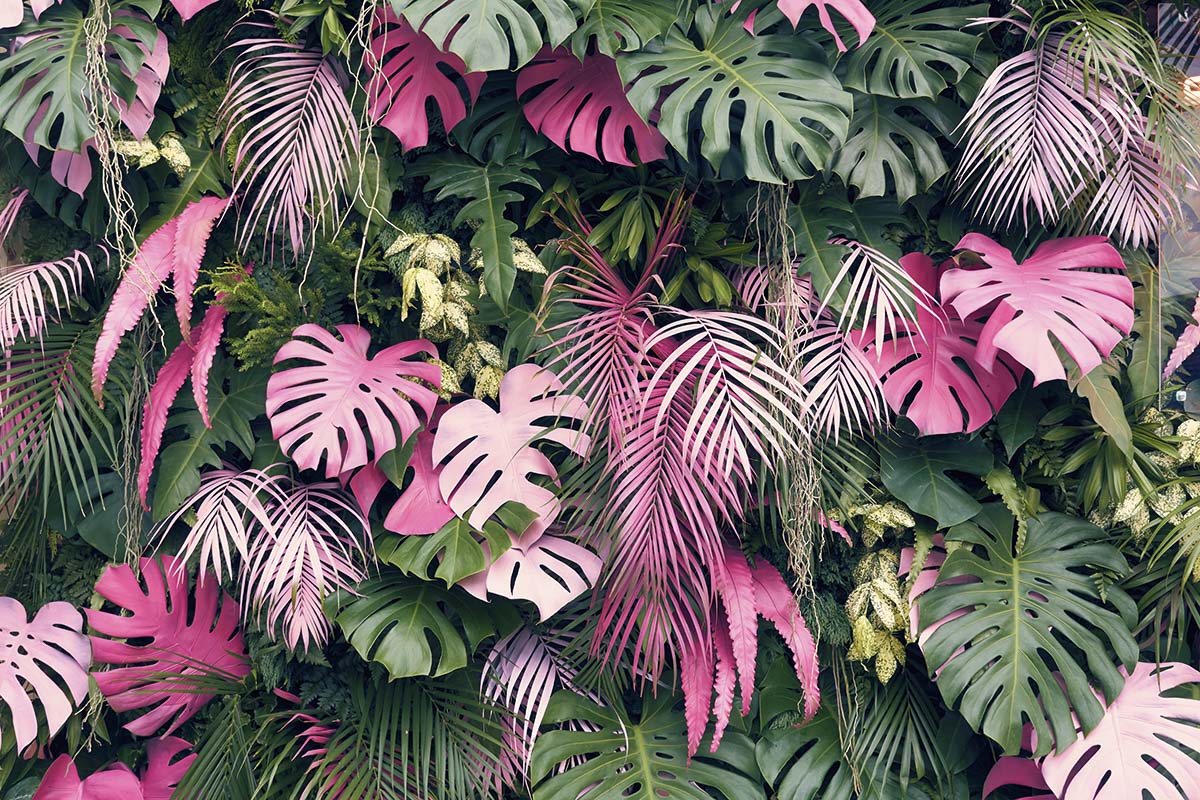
{"points": [[1187, 343], [43, 656], [164, 769], [581, 106], [853, 11], [183, 646], [420, 509], [406, 74], [173, 251]]}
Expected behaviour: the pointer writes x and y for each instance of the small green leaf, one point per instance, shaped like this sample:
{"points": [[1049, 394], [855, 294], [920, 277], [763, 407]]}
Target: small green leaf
{"points": [[452, 553]]}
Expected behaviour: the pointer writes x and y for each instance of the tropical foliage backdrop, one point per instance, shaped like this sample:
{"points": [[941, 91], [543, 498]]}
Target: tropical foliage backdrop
{"points": [[598, 399]]}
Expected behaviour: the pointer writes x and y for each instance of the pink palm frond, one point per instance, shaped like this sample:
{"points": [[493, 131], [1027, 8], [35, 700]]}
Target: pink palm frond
{"points": [[877, 291], [842, 388]]}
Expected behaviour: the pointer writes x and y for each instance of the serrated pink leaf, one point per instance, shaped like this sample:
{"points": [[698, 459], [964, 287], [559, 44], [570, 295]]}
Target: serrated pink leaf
{"points": [[62, 782], [324, 409], [488, 456], [777, 605], [725, 681], [734, 583], [1016, 771], [184, 643], [164, 769], [929, 367], [1186, 344], [38, 658], [581, 106], [853, 11], [406, 73], [1053, 293], [696, 678], [173, 251]]}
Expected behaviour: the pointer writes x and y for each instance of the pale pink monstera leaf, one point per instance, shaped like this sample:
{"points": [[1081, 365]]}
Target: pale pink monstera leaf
{"points": [[44, 655], [1019, 772], [11, 13], [183, 646], [62, 782], [420, 509], [139, 114], [194, 356], [929, 368], [854, 12], [324, 410], [1056, 292], [407, 71], [39, 6], [1186, 344], [487, 456], [173, 251], [190, 8], [1133, 749], [581, 106]]}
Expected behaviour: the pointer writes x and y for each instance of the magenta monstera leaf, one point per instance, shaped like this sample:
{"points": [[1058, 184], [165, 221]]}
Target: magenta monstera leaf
{"points": [[1056, 294], [173, 251], [407, 71], [420, 509], [1020, 772], [581, 106], [117, 782], [325, 409], [161, 675], [929, 367], [44, 655], [487, 456]]}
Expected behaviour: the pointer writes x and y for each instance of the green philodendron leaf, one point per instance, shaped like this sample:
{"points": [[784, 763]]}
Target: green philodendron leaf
{"points": [[620, 25], [1105, 403], [492, 35], [769, 96], [454, 552], [646, 760], [488, 190], [1017, 420], [806, 763], [1026, 638], [915, 472], [917, 49], [393, 617]]}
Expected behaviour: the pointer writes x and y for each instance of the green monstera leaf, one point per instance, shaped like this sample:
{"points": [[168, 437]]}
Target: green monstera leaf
{"points": [[620, 759], [915, 472], [770, 96], [806, 763], [1025, 637], [393, 618], [619, 25], [488, 36]]}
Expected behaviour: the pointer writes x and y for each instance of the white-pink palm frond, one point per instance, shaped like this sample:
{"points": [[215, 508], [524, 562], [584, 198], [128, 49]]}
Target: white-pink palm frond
{"points": [[1134, 198], [842, 388], [297, 138], [875, 290]]}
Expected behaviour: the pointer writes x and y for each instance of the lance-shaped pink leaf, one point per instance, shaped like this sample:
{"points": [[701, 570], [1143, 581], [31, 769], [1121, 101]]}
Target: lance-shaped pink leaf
{"points": [[173, 251], [190, 8], [193, 356], [407, 71], [38, 658], [1185, 345], [734, 583], [165, 674], [325, 409], [62, 782], [776, 604], [725, 681], [581, 106], [1056, 294], [1138, 747], [487, 456], [929, 368], [420, 509], [1020, 772], [696, 680]]}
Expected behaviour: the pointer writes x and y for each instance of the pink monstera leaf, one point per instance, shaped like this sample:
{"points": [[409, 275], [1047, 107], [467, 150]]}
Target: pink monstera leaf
{"points": [[160, 675], [487, 456], [1055, 294], [40, 657], [194, 356], [173, 251], [929, 367], [164, 767], [324, 410], [581, 106], [407, 71], [420, 509], [11, 13], [139, 114], [1138, 745], [62, 782], [1020, 772]]}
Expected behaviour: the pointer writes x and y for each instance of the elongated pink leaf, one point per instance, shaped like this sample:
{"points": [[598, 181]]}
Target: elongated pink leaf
{"points": [[406, 73], [173, 251], [41, 656], [696, 679], [1015, 771], [1056, 292], [62, 782], [1185, 345], [853, 11], [777, 605], [188, 640], [323, 410], [581, 106], [488, 456], [726, 679], [734, 583]]}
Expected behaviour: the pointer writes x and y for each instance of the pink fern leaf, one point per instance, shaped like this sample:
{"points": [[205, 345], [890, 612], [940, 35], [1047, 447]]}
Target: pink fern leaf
{"points": [[929, 368], [1186, 344], [39, 658], [406, 73], [487, 456], [1015, 771], [1054, 295], [1138, 747], [192, 357], [62, 782], [173, 251], [735, 586], [420, 509], [165, 674], [324, 410], [696, 679], [777, 605], [581, 106]]}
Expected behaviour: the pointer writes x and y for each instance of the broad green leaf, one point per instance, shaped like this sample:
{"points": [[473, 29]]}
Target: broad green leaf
{"points": [[489, 34], [915, 472], [918, 47], [646, 760], [1027, 638], [884, 143], [1017, 420], [805, 762], [620, 25], [1152, 340], [393, 618], [488, 190], [451, 554], [780, 100], [1105, 403]]}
